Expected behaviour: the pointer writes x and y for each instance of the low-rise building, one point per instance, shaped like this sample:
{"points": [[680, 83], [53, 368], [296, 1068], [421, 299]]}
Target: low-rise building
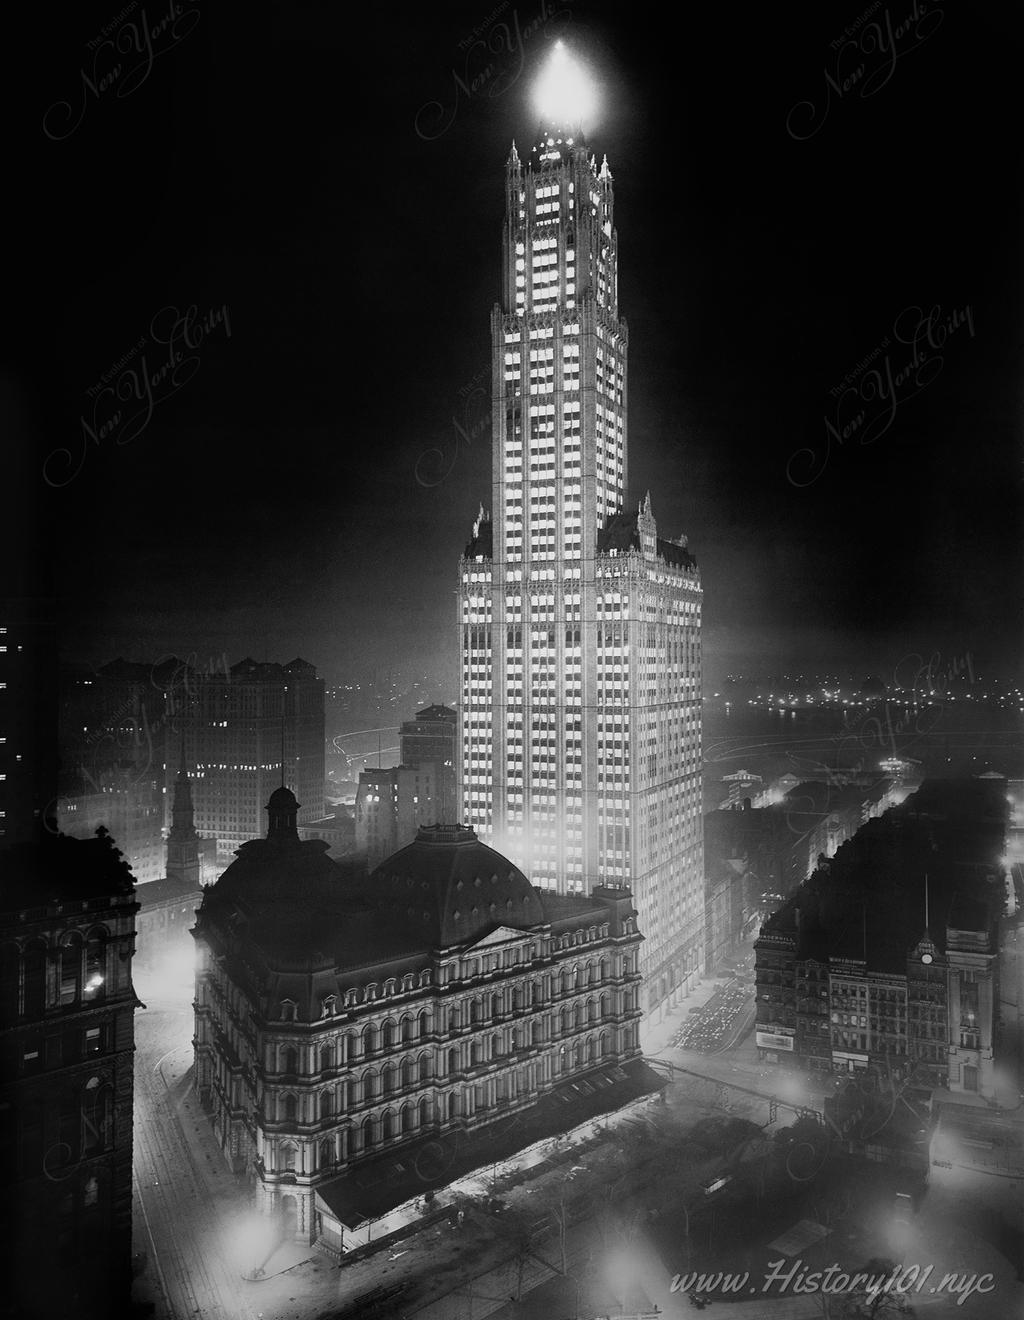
{"points": [[886, 959]]}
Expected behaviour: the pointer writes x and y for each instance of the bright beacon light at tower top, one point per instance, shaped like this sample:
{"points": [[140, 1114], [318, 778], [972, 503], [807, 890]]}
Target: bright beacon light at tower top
{"points": [[564, 96]]}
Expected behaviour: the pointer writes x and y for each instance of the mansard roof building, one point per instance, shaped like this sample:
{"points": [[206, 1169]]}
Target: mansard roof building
{"points": [[343, 1021]]}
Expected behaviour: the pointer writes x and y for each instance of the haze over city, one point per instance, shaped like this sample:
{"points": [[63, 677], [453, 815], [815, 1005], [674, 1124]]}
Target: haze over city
{"points": [[511, 705]]}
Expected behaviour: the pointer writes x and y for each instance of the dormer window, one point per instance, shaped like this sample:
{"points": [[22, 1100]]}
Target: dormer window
{"points": [[288, 1007]]}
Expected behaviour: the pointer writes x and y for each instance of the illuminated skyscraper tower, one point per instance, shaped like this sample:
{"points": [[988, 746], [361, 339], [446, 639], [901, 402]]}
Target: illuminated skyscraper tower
{"points": [[580, 627]]}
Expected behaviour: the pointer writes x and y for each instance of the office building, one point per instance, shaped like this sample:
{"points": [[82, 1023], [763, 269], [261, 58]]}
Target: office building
{"points": [[247, 731], [430, 738], [392, 804], [580, 625]]}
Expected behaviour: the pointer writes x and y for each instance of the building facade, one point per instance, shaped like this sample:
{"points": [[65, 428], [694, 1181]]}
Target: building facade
{"points": [[580, 627], [438, 997], [392, 804], [67, 930], [246, 731], [430, 738], [114, 725], [886, 959]]}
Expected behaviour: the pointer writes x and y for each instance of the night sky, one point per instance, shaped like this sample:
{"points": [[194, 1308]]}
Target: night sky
{"points": [[317, 171]]}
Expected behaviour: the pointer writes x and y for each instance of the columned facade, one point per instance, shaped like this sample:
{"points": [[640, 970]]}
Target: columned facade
{"points": [[320, 1063]]}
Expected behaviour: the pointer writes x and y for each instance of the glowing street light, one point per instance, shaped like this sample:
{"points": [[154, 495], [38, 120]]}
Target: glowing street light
{"points": [[564, 96]]}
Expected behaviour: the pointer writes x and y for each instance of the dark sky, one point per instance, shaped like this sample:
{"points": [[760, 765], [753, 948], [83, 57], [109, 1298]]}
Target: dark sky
{"points": [[284, 161]]}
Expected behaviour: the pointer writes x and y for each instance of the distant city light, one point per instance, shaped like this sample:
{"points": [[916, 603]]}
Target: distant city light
{"points": [[564, 96]]}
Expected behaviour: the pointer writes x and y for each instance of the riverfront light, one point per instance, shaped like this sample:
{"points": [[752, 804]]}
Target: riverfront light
{"points": [[563, 95]]}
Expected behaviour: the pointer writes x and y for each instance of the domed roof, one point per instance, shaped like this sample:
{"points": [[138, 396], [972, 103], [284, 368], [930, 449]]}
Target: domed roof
{"points": [[283, 797], [449, 888]]}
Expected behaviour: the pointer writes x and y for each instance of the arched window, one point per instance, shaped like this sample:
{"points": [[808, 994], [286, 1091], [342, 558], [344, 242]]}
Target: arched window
{"points": [[425, 1111], [369, 1039], [389, 1034], [290, 1108], [326, 1058], [371, 1085], [326, 1104], [96, 964], [289, 1060], [390, 1124], [325, 1154], [453, 1061], [407, 1031], [476, 1052], [330, 1006], [367, 1131], [496, 1047], [353, 1093], [536, 1033], [424, 1023], [70, 969], [408, 1118], [287, 1010], [495, 1005], [454, 1105], [289, 1156], [408, 1072], [424, 1067], [390, 1078], [474, 1010]]}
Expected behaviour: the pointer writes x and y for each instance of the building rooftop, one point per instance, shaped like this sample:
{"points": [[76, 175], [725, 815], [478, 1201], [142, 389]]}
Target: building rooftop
{"points": [[437, 713], [449, 888], [621, 533], [869, 899], [167, 889], [58, 868], [286, 908]]}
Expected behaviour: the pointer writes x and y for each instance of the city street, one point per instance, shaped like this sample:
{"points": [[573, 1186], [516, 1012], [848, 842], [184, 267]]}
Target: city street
{"points": [[193, 1223], [182, 1190]]}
